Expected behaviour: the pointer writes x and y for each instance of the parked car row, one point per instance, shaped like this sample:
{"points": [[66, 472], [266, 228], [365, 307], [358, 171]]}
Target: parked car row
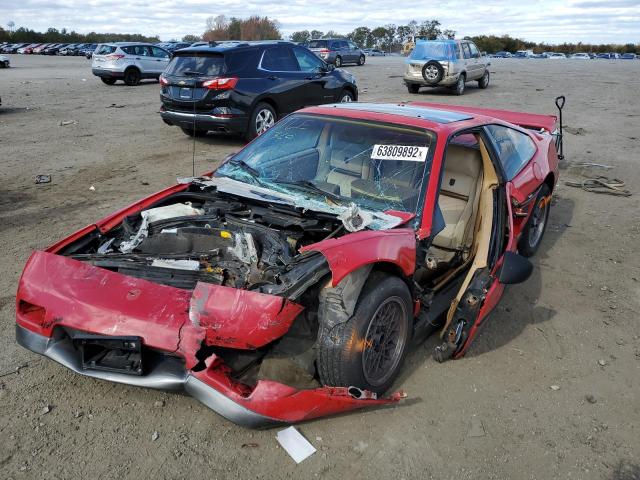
{"points": [[48, 48], [558, 55]]}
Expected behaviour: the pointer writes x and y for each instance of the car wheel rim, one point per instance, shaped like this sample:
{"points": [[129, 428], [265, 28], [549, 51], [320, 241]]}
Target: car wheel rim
{"points": [[346, 98], [538, 222], [338, 62], [432, 72], [384, 341], [485, 79], [264, 121]]}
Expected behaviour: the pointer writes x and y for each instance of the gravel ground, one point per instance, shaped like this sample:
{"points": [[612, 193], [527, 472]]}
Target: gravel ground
{"points": [[493, 414]]}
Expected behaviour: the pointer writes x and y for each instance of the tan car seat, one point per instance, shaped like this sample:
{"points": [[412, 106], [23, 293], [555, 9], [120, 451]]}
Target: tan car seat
{"points": [[459, 195]]}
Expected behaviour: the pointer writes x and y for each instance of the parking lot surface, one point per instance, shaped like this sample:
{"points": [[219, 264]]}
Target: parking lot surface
{"points": [[493, 414]]}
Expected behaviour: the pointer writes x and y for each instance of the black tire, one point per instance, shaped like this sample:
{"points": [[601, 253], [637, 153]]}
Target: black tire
{"points": [[343, 361], [413, 87], [194, 133], [361, 60], [253, 127], [108, 81], [132, 76], [484, 81], [460, 85], [432, 72], [338, 62], [533, 231], [5, 64]]}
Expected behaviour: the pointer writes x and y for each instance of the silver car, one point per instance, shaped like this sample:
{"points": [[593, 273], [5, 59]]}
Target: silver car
{"points": [[130, 62], [449, 63], [337, 51]]}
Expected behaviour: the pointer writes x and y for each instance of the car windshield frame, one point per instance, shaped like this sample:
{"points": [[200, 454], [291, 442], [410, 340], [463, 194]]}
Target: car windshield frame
{"points": [[244, 165]]}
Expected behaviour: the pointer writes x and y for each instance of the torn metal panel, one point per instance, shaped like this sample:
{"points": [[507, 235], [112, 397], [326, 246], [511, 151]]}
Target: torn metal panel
{"points": [[241, 319]]}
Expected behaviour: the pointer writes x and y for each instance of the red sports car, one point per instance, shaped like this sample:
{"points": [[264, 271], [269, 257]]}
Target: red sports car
{"points": [[290, 282]]}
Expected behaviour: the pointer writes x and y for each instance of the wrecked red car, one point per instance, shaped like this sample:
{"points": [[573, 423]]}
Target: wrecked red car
{"points": [[291, 282]]}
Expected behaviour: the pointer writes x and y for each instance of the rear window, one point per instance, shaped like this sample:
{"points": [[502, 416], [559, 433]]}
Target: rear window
{"points": [[318, 44], [105, 49], [433, 51], [205, 64]]}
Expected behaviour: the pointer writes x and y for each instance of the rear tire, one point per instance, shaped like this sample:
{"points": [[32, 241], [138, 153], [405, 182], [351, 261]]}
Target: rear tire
{"points": [[262, 118], [484, 81], [367, 351], [108, 81], [458, 89], [413, 87], [338, 61], [132, 76], [533, 231]]}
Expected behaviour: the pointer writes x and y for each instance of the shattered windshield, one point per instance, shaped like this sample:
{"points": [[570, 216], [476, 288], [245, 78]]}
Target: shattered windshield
{"points": [[433, 51], [376, 166]]}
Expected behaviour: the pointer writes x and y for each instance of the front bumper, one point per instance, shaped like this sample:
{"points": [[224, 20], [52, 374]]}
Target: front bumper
{"points": [[235, 124], [167, 375], [105, 73]]}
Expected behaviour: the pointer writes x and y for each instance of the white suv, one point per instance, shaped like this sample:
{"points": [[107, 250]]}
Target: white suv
{"points": [[129, 62]]}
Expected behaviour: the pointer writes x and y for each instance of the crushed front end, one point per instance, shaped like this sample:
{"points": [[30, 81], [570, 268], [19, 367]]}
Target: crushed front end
{"points": [[192, 290]]}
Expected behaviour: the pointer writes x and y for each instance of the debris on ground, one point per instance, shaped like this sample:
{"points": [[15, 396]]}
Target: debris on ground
{"points": [[64, 123], [115, 105], [590, 398], [555, 388], [155, 436], [16, 370], [602, 362], [249, 445], [40, 179], [46, 409], [92, 188], [158, 403], [601, 184], [77, 414], [575, 131], [295, 444], [477, 429]]}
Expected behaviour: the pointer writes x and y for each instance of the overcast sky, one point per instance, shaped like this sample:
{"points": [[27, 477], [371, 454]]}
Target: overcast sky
{"points": [[553, 21]]}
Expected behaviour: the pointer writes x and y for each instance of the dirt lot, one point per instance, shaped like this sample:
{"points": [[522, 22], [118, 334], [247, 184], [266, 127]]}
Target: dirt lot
{"points": [[492, 414]]}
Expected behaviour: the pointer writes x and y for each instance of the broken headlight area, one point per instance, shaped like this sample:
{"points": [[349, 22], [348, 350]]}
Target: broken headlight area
{"points": [[209, 237]]}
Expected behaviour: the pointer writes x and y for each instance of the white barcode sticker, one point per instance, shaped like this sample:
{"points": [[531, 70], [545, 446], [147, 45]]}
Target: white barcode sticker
{"points": [[406, 153]]}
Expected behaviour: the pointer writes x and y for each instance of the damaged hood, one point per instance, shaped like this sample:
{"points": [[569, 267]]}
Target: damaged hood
{"points": [[353, 217]]}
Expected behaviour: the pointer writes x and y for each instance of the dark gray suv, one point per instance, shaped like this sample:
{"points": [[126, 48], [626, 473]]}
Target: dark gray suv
{"points": [[337, 51]]}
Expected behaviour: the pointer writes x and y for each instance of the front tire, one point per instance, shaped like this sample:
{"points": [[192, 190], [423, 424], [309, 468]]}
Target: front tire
{"points": [[413, 87], [338, 61], [346, 97], [533, 231], [262, 118], [484, 81], [132, 77], [361, 60], [108, 81], [368, 350]]}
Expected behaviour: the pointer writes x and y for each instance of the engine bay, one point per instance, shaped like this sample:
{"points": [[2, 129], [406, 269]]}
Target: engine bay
{"points": [[208, 236]]}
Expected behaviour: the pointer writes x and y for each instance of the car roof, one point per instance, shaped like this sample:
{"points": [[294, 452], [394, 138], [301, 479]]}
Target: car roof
{"points": [[227, 45], [408, 110]]}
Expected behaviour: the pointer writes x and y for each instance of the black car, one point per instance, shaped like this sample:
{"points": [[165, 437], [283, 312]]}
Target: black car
{"points": [[244, 87]]}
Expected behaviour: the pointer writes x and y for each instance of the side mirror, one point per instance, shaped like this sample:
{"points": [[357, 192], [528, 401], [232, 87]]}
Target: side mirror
{"points": [[515, 269]]}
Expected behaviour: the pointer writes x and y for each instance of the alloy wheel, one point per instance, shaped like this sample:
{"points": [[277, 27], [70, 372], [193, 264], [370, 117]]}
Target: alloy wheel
{"points": [[538, 221], [384, 341], [264, 121]]}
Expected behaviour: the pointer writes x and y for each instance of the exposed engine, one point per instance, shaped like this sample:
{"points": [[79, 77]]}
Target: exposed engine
{"points": [[212, 237]]}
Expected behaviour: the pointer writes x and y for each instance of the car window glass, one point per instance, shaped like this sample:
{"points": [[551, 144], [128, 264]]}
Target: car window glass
{"points": [[474, 50], [159, 53], [318, 44], [466, 50], [514, 148], [344, 45], [352, 46], [279, 59], [334, 45], [207, 64], [308, 61], [105, 50], [458, 51], [242, 59]]}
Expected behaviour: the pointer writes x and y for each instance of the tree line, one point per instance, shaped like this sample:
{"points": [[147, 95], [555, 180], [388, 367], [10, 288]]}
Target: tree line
{"points": [[390, 37], [53, 35]]}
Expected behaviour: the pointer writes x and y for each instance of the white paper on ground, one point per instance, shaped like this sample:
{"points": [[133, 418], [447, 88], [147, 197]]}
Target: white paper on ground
{"points": [[295, 444]]}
